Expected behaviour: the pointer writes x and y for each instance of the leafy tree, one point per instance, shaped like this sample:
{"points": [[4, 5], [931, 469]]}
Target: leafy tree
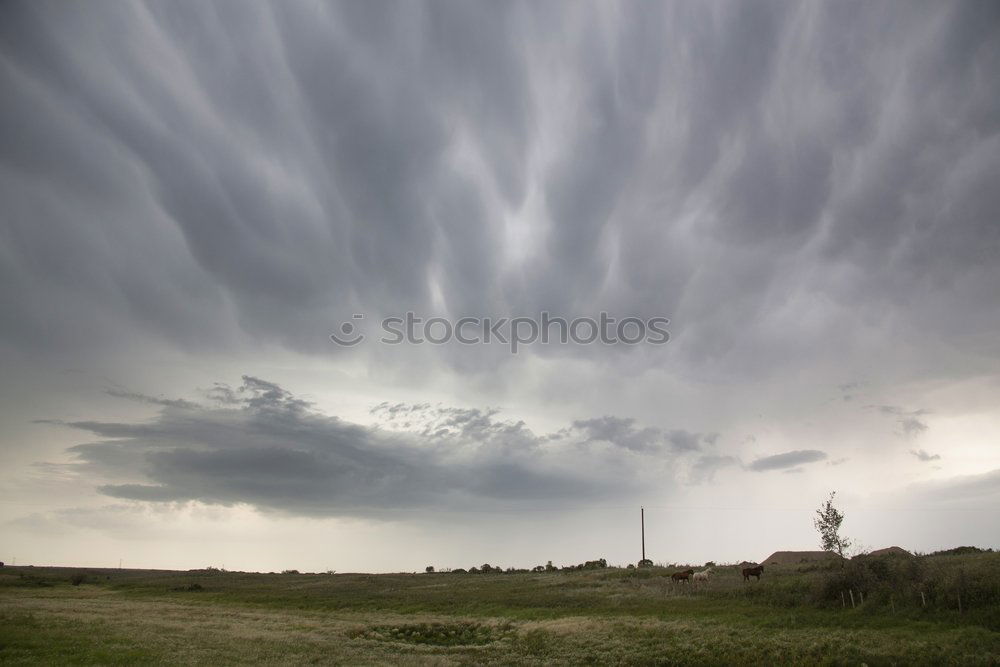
{"points": [[429, 569], [827, 522]]}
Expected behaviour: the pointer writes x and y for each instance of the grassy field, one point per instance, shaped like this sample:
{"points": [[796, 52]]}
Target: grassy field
{"points": [[795, 614]]}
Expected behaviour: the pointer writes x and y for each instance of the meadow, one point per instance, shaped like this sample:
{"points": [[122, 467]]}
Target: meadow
{"points": [[794, 614]]}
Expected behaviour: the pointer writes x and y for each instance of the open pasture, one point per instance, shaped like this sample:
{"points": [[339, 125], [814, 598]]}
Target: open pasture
{"points": [[793, 614]]}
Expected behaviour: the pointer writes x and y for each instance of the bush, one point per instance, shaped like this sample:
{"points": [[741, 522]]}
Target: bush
{"points": [[289, 571], [961, 551], [78, 578], [429, 569], [899, 581], [190, 588]]}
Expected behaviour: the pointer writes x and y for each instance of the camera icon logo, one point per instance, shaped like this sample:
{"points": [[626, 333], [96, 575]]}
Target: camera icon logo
{"points": [[349, 337]]}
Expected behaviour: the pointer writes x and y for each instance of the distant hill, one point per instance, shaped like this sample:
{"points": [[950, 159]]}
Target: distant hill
{"points": [[795, 557], [890, 551]]}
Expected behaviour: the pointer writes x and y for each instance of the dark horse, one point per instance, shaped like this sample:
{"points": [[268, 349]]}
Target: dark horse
{"points": [[682, 576], [753, 572]]}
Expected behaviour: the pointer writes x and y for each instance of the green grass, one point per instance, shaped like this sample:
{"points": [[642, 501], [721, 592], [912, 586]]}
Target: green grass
{"points": [[793, 615]]}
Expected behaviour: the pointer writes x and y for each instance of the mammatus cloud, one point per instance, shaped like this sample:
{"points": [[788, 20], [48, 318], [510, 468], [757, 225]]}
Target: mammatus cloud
{"points": [[261, 445], [205, 175], [786, 460]]}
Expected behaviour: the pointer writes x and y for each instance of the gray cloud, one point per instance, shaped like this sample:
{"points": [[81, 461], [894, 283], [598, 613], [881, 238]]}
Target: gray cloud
{"points": [[909, 421], [622, 432], [706, 466], [192, 190], [253, 173], [983, 490], [924, 455], [786, 460], [263, 446]]}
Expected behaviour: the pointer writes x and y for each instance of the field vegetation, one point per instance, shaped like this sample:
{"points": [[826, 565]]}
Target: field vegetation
{"points": [[939, 609]]}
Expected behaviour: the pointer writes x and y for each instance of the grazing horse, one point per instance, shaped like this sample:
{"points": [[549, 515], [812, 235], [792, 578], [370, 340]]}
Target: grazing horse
{"points": [[703, 575], [682, 576], [753, 572]]}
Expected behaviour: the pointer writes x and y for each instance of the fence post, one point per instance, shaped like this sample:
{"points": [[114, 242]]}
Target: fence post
{"points": [[862, 594], [923, 600], [842, 600], [851, 593]]}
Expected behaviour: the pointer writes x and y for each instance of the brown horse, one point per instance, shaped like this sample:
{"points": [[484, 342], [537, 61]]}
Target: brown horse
{"points": [[753, 572], [682, 576]]}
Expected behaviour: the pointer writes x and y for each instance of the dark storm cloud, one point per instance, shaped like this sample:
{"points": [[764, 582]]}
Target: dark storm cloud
{"points": [[787, 460], [767, 175], [266, 447]]}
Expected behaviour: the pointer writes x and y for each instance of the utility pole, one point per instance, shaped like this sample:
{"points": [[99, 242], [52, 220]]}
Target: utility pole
{"points": [[642, 519]]}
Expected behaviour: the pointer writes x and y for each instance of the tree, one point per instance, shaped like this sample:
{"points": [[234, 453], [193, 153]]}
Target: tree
{"points": [[429, 569], [827, 522]]}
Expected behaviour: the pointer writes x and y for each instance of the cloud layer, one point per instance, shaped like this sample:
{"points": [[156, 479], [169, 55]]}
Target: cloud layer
{"points": [[195, 191], [767, 176], [258, 444]]}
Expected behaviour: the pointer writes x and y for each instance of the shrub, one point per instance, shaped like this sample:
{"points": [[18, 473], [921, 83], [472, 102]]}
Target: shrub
{"points": [[429, 569], [289, 571], [961, 551], [190, 588], [78, 578]]}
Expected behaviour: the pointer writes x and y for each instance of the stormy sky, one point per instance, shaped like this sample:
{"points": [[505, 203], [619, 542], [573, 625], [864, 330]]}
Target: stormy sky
{"points": [[196, 195]]}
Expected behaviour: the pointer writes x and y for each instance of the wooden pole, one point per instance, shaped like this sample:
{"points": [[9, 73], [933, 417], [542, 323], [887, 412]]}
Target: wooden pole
{"points": [[862, 594], [842, 600], [642, 520], [851, 592], [923, 600]]}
